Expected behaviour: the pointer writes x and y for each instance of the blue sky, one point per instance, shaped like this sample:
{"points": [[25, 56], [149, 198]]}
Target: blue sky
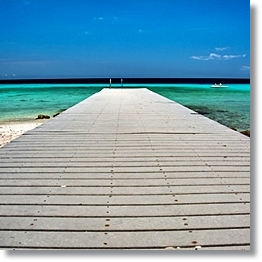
{"points": [[127, 38]]}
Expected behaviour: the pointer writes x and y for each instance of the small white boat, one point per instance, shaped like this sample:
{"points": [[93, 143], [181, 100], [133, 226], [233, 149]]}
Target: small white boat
{"points": [[218, 86]]}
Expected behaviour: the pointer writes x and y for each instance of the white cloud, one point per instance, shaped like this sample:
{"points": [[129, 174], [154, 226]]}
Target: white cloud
{"points": [[211, 56], [199, 57], [99, 18], [221, 48], [214, 56], [245, 68], [227, 57]]}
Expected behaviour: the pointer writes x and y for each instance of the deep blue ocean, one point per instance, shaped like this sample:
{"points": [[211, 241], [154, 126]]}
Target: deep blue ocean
{"points": [[229, 106]]}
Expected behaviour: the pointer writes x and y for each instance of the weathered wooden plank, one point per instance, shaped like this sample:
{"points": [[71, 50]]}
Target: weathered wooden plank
{"points": [[157, 239], [79, 163], [150, 139], [126, 200], [125, 211], [125, 223], [138, 159], [124, 190], [145, 143], [139, 145], [118, 175], [191, 154], [126, 182]]}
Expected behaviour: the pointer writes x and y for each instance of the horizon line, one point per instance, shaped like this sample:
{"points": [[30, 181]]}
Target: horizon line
{"points": [[134, 80]]}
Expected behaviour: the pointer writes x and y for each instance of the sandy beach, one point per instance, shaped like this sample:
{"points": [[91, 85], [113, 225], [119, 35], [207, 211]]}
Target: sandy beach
{"points": [[13, 129]]}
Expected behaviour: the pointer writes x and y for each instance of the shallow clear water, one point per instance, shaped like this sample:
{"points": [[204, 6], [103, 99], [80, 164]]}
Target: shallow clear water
{"points": [[229, 106], [18, 102]]}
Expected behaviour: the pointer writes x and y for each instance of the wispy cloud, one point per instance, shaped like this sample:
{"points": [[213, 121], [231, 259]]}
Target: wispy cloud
{"points": [[221, 48], [99, 18], [214, 56], [211, 56], [140, 31], [245, 68], [227, 57]]}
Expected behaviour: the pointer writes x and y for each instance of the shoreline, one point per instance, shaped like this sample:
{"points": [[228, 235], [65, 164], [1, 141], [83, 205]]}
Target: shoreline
{"points": [[10, 130]]}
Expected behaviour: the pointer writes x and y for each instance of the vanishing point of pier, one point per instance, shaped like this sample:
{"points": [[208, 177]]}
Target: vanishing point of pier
{"points": [[126, 169]]}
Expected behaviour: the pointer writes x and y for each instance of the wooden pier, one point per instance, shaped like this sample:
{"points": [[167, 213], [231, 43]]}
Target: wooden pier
{"points": [[126, 169]]}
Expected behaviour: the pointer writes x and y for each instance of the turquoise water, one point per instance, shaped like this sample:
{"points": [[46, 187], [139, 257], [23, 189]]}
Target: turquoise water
{"points": [[228, 106], [25, 102]]}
